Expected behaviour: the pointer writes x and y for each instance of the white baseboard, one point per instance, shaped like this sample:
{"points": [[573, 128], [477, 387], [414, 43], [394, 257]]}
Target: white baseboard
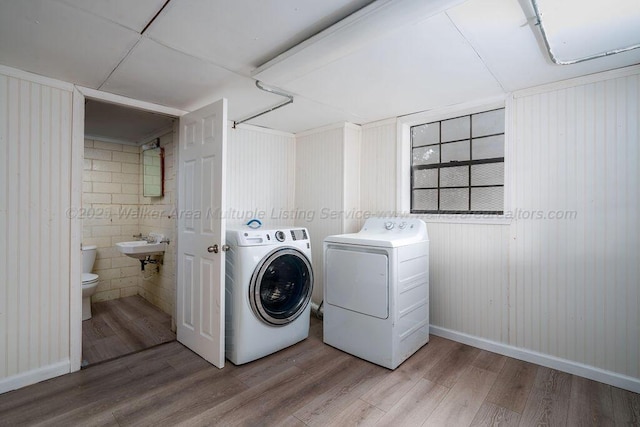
{"points": [[582, 370], [15, 382]]}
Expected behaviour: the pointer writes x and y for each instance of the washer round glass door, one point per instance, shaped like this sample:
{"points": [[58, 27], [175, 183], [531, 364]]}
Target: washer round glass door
{"points": [[281, 286]]}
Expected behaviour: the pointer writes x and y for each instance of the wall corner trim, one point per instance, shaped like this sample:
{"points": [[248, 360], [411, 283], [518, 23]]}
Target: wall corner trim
{"points": [[391, 121], [327, 128], [35, 78], [578, 81]]}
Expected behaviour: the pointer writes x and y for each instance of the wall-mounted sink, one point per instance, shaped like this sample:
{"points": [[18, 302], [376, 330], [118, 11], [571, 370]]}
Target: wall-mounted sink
{"points": [[141, 249]]}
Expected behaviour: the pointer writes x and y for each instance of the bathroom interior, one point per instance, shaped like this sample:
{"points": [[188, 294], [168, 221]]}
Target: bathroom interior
{"points": [[128, 194]]}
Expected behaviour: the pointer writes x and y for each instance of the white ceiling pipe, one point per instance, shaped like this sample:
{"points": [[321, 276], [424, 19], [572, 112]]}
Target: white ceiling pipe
{"points": [[551, 53], [268, 110]]}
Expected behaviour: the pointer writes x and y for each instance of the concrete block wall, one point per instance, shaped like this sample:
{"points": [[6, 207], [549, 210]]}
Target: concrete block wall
{"points": [[157, 214], [110, 200]]}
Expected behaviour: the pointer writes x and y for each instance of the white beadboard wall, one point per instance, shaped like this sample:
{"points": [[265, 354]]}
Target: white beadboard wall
{"points": [[35, 156], [468, 274], [468, 281], [560, 289], [321, 177], [378, 168], [260, 176], [574, 283], [351, 175]]}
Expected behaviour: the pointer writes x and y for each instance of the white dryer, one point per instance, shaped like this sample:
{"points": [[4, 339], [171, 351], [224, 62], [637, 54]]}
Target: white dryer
{"points": [[376, 290], [268, 286]]}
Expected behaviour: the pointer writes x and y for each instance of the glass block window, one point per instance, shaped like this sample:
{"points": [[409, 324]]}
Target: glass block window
{"points": [[457, 165]]}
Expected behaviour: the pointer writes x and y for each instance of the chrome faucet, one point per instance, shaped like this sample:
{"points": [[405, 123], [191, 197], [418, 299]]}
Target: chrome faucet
{"points": [[139, 236], [152, 239]]}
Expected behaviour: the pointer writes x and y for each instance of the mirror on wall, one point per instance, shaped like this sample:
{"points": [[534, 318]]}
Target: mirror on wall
{"points": [[153, 172]]}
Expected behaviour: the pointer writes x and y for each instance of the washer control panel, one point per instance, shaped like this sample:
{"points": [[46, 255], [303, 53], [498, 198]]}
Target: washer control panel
{"points": [[269, 237]]}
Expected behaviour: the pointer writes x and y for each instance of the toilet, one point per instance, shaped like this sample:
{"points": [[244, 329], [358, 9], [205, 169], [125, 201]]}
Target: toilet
{"points": [[89, 280]]}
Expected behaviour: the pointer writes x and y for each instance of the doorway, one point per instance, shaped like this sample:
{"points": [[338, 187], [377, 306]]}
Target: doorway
{"points": [[132, 308]]}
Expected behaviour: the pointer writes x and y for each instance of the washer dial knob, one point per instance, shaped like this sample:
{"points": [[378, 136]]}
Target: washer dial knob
{"points": [[389, 225], [280, 236]]}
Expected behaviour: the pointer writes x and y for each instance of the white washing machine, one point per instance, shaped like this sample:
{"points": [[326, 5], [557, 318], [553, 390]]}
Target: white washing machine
{"points": [[268, 286], [376, 290]]}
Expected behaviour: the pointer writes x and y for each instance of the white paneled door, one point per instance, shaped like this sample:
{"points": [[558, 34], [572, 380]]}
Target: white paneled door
{"points": [[200, 289]]}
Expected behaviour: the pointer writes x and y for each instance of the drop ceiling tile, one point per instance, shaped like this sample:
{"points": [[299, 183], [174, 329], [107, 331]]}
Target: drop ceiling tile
{"points": [[242, 34], [420, 67], [506, 39], [55, 40], [161, 75], [131, 14]]}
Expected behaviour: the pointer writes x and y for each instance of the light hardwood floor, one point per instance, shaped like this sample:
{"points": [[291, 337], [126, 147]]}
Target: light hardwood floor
{"points": [[123, 326], [445, 383]]}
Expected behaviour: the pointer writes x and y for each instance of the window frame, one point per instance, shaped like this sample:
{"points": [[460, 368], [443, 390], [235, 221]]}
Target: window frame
{"points": [[442, 166], [404, 170]]}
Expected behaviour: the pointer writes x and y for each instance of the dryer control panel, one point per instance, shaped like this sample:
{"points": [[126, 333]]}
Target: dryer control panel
{"points": [[385, 232], [401, 226]]}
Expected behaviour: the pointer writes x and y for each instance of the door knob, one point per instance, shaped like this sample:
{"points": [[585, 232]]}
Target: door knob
{"points": [[213, 249]]}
